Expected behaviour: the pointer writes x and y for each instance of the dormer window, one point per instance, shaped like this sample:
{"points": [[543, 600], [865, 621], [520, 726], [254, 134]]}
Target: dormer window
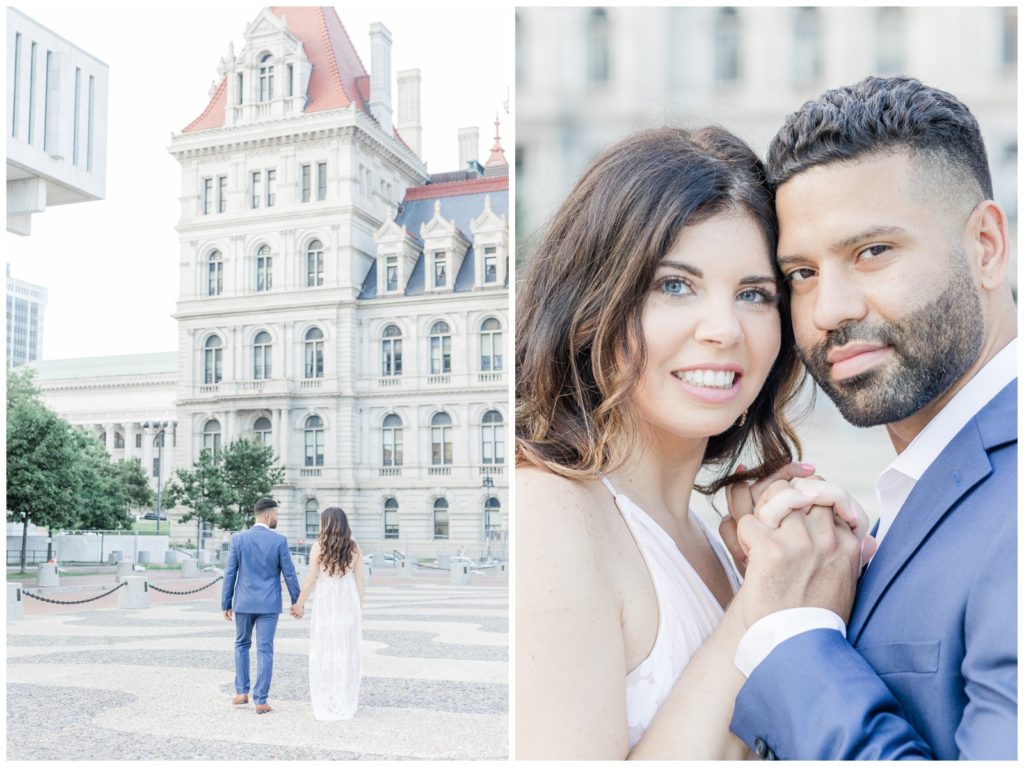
{"points": [[490, 265], [391, 277], [267, 78], [440, 269]]}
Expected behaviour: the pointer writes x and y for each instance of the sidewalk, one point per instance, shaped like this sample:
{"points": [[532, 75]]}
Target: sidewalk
{"points": [[102, 683]]}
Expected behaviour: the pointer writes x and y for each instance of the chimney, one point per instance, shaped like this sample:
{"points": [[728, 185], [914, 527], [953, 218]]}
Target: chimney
{"points": [[409, 127], [469, 146], [380, 75]]}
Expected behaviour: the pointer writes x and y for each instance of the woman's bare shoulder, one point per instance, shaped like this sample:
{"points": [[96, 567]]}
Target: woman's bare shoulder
{"points": [[536, 483], [562, 508]]}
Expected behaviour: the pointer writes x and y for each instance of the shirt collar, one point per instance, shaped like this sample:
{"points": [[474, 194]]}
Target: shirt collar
{"points": [[261, 524], [997, 373]]}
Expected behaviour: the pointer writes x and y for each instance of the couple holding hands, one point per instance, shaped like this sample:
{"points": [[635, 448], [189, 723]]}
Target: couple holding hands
{"points": [[252, 598], [665, 322]]}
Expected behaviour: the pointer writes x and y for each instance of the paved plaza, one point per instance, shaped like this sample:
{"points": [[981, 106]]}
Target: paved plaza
{"points": [[98, 682]]}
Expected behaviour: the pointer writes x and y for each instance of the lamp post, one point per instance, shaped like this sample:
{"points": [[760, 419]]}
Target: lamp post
{"points": [[488, 484], [161, 427]]}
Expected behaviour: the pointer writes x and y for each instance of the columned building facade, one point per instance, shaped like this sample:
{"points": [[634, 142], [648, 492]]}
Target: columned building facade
{"points": [[338, 303]]}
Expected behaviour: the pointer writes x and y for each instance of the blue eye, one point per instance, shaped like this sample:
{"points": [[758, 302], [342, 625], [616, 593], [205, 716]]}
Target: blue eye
{"points": [[675, 286], [757, 296]]}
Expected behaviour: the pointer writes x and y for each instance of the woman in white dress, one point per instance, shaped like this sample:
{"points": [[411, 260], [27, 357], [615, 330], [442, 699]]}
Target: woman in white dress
{"points": [[652, 341], [335, 659]]}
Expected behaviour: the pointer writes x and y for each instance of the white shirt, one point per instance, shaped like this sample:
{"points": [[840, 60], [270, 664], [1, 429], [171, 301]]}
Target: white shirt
{"points": [[892, 489]]}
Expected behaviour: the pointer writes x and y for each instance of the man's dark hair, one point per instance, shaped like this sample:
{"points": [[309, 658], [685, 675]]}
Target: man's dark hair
{"points": [[265, 503], [880, 115]]}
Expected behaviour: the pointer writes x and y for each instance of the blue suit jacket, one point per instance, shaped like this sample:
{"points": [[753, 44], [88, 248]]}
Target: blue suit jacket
{"points": [[252, 580], [929, 666]]}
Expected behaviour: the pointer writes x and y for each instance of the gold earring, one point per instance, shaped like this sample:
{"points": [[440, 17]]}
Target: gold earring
{"points": [[742, 420]]}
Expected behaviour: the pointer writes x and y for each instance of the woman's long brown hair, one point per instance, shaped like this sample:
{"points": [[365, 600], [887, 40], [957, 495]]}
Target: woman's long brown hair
{"points": [[579, 343], [337, 549]]}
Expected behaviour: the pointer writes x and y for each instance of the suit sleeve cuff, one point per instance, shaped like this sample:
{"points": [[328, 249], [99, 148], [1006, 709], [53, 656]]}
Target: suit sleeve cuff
{"points": [[772, 630]]}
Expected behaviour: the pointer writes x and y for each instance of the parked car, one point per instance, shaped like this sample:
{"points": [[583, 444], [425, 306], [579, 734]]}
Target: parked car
{"points": [[152, 516]]}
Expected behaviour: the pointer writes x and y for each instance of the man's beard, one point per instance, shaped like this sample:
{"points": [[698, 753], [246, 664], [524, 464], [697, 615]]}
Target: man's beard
{"points": [[272, 524], [932, 349]]}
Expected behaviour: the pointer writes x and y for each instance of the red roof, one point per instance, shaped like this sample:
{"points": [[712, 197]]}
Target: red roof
{"points": [[455, 188], [337, 72]]}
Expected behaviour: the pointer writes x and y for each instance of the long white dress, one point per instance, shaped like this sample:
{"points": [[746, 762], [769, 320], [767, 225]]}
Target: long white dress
{"points": [[688, 613], [335, 659]]}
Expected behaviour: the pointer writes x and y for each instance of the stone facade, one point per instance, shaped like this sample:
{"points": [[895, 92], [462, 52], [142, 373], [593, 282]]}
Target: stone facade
{"points": [[338, 302]]}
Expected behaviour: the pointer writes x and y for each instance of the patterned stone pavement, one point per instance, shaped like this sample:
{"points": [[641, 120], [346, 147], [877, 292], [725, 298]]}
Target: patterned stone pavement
{"points": [[100, 683]]}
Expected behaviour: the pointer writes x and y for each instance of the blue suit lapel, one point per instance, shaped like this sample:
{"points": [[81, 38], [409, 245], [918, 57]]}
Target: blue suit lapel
{"points": [[960, 466]]}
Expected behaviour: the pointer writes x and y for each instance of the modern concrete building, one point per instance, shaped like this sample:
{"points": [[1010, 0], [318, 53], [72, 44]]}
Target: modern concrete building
{"points": [[56, 122], [26, 304]]}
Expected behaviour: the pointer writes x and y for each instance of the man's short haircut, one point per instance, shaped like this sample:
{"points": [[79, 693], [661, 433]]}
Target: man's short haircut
{"points": [[879, 116], [265, 503]]}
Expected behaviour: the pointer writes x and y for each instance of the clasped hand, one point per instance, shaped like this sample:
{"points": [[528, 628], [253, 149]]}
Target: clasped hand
{"points": [[298, 611], [807, 559]]}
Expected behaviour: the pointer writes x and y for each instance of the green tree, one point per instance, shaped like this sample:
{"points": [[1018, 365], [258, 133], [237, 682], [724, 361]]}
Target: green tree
{"points": [[42, 461], [250, 474], [103, 495], [133, 479], [202, 491]]}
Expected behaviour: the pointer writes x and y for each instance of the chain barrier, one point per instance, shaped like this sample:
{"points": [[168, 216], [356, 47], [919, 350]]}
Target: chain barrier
{"points": [[193, 591], [75, 602]]}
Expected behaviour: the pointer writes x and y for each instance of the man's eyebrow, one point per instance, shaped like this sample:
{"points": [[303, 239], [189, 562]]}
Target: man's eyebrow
{"points": [[847, 242], [868, 234]]}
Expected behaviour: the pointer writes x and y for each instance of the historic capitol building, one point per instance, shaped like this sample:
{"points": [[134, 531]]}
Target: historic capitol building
{"points": [[336, 301]]}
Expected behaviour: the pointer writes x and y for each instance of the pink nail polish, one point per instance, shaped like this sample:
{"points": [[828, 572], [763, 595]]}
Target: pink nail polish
{"points": [[806, 466]]}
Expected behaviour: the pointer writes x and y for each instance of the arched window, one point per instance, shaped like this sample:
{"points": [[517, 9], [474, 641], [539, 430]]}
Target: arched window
{"points": [[314, 264], [492, 518], [598, 47], [211, 437], [118, 440], [807, 54], [314, 348], [215, 274], [391, 452], [440, 519], [264, 269], [391, 351], [440, 348], [492, 434], [262, 429], [490, 345], [312, 520], [441, 439], [314, 433], [261, 348], [727, 45], [266, 78], [213, 371], [390, 518], [891, 35]]}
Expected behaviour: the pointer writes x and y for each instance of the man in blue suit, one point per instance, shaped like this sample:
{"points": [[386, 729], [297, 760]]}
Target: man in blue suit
{"points": [[252, 596], [896, 257]]}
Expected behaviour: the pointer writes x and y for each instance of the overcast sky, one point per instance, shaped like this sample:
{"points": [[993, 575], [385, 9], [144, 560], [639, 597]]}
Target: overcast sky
{"points": [[111, 266]]}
